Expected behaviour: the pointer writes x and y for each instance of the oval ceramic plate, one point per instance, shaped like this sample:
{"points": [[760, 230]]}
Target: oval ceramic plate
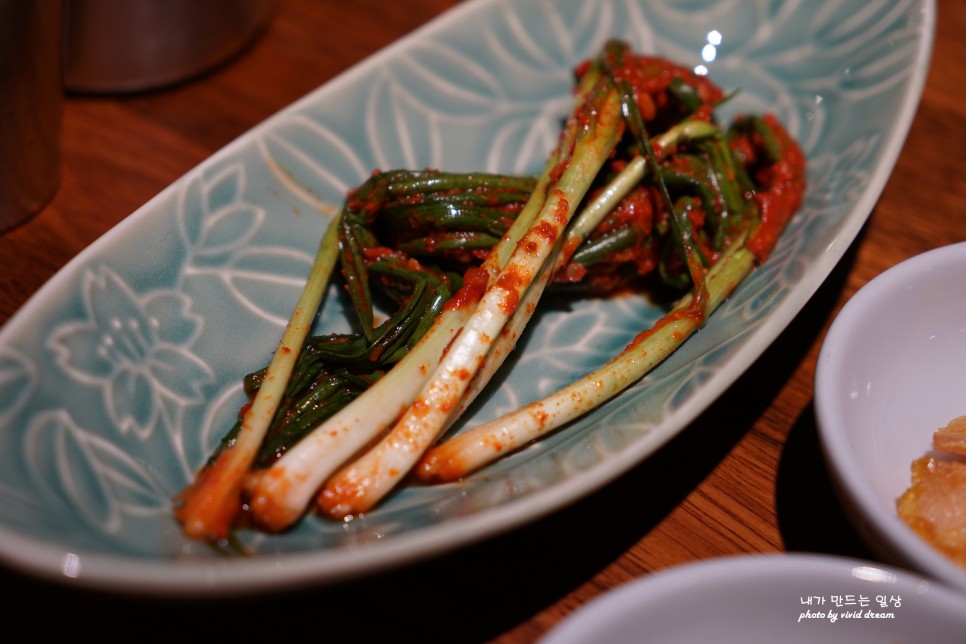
{"points": [[771, 598], [122, 373]]}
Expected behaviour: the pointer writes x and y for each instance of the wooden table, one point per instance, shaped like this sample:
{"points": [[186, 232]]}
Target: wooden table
{"points": [[747, 477]]}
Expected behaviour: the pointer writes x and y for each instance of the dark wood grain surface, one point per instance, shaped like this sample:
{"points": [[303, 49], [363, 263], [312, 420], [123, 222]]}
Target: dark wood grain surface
{"points": [[746, 477]]}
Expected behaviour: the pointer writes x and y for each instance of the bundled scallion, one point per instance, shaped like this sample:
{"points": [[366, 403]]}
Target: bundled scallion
{"points": [[644, 185]]}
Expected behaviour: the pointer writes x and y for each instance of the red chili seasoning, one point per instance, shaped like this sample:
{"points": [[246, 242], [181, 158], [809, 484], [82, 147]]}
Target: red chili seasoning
{"points": [[785, 187], [474, 285], [511, 282]]}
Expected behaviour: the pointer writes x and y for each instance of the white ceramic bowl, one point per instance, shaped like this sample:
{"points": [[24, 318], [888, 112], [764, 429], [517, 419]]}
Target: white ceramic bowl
{"points": [[891, 371], [771, 598]]}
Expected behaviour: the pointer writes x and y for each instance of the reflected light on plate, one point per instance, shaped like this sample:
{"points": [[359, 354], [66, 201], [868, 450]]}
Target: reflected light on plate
{"points": [[877, 575], [70, 565], [709, 52]]}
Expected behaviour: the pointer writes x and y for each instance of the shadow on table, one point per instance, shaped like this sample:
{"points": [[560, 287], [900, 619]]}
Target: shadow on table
{"points": [[811, 517]]}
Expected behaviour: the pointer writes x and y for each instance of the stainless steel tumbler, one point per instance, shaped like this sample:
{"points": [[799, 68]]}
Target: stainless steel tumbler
{"points": [[31, 107], [115, 46]]}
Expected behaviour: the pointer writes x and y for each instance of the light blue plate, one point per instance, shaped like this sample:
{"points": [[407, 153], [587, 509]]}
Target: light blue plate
{"points": [[120, 375]]}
